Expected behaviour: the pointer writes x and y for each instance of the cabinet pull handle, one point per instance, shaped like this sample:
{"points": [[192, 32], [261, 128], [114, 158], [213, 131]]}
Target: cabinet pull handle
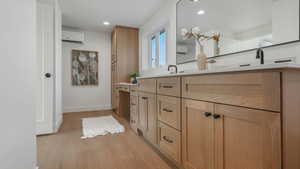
{"points": [[144, 98], [167, 87], [186, 87], [167, 110], [167, 140], [132, 104], [207, 114], [216, 116]]}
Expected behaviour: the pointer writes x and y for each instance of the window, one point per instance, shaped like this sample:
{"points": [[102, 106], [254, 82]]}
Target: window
{"points": [[158, 49], [162, 48], [153, 52]]}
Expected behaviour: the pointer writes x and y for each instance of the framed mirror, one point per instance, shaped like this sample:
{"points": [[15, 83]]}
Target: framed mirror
{"points": [[234, 26]]}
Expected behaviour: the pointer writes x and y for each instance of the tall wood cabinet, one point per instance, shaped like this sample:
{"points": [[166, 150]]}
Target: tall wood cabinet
{"points": [[125, 57]]}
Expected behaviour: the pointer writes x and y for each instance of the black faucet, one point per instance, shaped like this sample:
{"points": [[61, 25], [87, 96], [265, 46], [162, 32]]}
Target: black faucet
{"points": [[176, 70], [260, 55]]}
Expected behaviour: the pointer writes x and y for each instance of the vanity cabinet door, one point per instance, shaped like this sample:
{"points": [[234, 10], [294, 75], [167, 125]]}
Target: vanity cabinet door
{"points": [[148, 116], [134, 112], [143, 111], [197, 135], [246, 138]]}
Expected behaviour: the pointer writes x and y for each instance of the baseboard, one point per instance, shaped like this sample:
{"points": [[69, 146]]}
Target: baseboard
{"points": [[90, 108], [58, 124]]}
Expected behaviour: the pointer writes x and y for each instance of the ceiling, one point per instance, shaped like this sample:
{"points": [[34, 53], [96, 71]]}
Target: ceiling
{"points": [[90, 14]]}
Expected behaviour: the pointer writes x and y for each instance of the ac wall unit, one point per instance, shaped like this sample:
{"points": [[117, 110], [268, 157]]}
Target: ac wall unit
{"points": [[73, 37]]}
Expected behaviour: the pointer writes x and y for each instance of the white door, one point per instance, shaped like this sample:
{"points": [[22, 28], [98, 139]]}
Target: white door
{"points": [[45, 63]]}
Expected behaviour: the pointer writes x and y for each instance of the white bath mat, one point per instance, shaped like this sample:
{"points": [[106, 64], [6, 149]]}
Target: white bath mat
{"points": [[100, 126]]}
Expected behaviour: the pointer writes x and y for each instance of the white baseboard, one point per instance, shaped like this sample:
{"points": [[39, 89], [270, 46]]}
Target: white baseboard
{"points": [[90, 108], [58, 124]]}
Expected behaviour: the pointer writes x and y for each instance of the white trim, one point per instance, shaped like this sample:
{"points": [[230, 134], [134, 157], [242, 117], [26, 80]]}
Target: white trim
{"points": [[58, 124], [87, 108]]}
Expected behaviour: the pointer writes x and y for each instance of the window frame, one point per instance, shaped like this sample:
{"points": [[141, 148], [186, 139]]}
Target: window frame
{"points": [[157, 34]]}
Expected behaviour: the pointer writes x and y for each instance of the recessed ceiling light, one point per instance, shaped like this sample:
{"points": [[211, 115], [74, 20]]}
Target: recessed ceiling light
{"points": [[201, 12], [194, 0], [106, 23]]}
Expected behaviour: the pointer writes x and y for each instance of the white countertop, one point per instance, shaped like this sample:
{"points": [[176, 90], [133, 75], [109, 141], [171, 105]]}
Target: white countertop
{"points": [[230, 69]]}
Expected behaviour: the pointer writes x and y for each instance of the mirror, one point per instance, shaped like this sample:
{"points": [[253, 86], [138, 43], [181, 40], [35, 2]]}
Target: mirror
{"points": [[233, 26]]}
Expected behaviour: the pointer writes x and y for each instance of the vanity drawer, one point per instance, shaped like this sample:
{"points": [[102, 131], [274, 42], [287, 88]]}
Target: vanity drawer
{"points": [[169, 111], [147, 85], [169, 86], [123, 88], [170, 142], [134, 90], [259, 90]]}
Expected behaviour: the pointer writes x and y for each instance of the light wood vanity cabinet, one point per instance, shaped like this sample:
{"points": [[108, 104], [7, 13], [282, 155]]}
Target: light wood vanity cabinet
{"points": [[148, 116], [246, 120]]}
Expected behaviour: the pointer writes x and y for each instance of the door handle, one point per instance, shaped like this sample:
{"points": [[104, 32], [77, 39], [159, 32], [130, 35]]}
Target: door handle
{"points": [[48, 75]]}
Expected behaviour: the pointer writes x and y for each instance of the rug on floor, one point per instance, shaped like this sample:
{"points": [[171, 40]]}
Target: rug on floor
{"points": [[100, 126]]}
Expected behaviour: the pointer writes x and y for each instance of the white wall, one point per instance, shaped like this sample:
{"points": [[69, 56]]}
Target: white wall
{"points": [[88, 98], [165, 17], [167, 14], [18, 77]]}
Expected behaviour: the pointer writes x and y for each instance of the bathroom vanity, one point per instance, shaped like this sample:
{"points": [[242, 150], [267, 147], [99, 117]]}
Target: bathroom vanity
{"points": [[222, 119]]}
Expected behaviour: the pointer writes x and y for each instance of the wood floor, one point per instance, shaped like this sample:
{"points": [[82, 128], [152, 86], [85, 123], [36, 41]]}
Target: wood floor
{"points": [[65, 150]]}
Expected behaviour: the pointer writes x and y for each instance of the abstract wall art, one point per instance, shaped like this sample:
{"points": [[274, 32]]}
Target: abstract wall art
{"points": [[85, 68]]}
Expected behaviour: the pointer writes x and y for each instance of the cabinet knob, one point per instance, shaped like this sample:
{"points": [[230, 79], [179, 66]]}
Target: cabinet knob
{"points": [[216, 116], [207, 114]]}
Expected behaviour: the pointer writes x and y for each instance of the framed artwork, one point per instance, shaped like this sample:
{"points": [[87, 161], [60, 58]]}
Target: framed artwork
{"points": [[84, 68]]}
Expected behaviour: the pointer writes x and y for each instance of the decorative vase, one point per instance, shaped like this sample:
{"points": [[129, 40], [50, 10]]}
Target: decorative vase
{"points": [[201, 57]]}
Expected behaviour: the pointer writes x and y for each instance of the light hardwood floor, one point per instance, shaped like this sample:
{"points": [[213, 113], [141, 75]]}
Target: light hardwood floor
{"points": [[65, 150]]}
